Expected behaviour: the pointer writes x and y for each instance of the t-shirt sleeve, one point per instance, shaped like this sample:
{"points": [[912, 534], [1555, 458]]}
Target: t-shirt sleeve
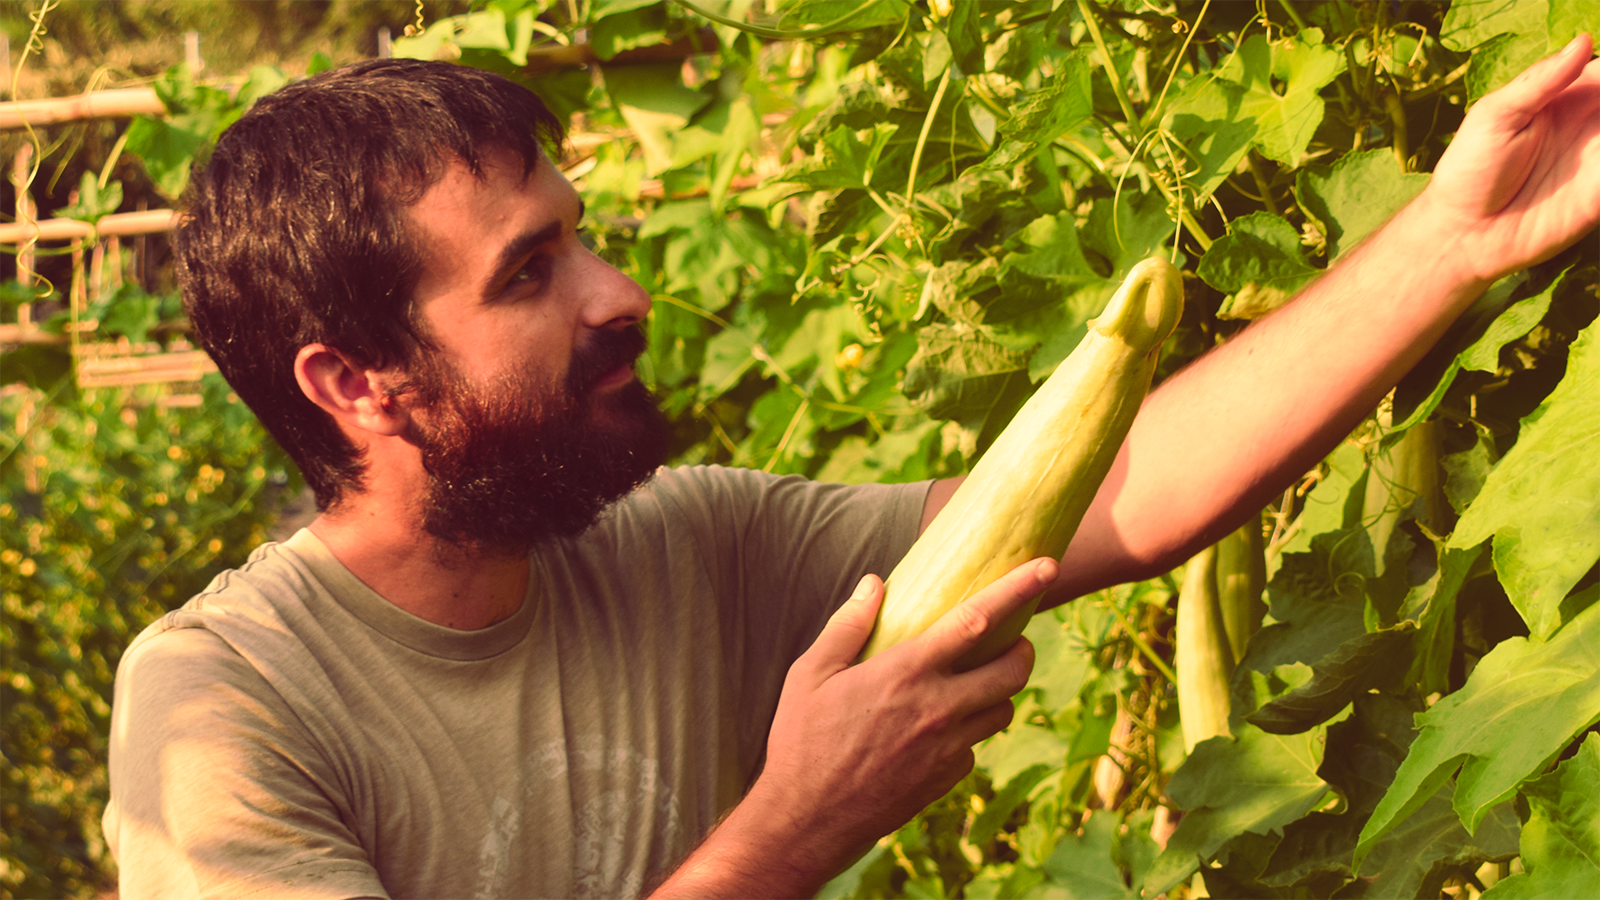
{"points": [[213, 792], [788, 551]]}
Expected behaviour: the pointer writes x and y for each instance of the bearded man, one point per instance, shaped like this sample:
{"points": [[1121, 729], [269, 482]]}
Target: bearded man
{"points": [[512, 657]]}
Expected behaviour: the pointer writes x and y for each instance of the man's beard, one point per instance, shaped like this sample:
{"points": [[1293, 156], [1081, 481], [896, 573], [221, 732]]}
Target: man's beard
{"points": [[510, 466]]}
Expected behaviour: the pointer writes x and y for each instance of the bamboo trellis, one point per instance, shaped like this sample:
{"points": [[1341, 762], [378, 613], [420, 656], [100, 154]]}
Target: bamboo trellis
{"points": [[116, 363]]}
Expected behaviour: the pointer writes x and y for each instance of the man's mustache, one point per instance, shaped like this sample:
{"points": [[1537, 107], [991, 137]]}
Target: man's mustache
{"points": [[601, 355]]}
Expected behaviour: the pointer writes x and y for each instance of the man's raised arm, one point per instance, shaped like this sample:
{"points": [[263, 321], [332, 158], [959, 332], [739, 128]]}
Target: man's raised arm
{"points": [[1519, 183]]}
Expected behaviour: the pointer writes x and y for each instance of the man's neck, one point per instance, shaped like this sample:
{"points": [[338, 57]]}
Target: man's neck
{"points": [[409, 568]]}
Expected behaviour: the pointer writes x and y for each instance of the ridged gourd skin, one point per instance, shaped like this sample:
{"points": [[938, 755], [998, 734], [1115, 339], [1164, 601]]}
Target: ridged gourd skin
{"points": [[1204, 659], [1399, 476], [1026, 497], [1241, 577]]}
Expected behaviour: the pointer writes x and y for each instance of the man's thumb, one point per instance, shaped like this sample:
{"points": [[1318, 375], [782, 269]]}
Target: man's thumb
{"points": [[849, 627]]}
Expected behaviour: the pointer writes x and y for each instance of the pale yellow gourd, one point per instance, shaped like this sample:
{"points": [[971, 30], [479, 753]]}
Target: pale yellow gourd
{"points": [[1026, 497], [1241, 578], [1203, 658]]}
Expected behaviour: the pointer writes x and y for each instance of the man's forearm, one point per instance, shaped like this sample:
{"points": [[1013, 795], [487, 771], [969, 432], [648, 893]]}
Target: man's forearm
{"points": [[756, 851], [1218, 441]]}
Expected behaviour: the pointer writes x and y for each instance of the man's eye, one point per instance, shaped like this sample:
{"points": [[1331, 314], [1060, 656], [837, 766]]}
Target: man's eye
{"points": [[532, 271]]}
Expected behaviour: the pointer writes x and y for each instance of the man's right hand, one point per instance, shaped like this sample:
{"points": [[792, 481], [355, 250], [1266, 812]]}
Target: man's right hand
{"points": [[856, 750]]}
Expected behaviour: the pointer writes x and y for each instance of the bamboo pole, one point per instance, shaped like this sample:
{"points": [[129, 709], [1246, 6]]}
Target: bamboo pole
{"points": [[28, 333], [97, 271], [113, 278], [154, 368], [153, 221], [25, 214], [116, 103], [142, 101]]}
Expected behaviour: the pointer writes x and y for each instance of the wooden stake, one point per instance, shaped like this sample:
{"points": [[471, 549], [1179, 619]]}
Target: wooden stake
{"points": [[114, 260], [97, 272], [120, 103]]}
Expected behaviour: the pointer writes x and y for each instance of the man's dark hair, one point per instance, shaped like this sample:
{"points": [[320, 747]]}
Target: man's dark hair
{"points": [[294, 230]]}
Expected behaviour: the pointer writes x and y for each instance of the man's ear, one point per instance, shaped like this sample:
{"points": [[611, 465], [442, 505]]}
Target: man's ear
{"points": [[352, 393]]}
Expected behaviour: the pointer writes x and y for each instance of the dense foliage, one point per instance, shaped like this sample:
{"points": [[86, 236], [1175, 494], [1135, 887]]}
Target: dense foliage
{"points": [[871, 226], [114, 508]]}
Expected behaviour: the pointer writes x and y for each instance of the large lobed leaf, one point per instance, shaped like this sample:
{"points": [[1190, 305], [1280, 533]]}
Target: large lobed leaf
{"points": [[1561, 842], [1520, 706], [1255, 782], [1541, 502]]}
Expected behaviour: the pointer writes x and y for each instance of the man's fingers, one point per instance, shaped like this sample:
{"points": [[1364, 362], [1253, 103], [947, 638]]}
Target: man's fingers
{"points": [[987, 722], [848, 628], [1529, 92], [960, 629]]}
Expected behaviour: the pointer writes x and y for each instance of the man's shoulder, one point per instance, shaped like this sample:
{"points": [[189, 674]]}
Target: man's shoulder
{"points": [[243, 611]]}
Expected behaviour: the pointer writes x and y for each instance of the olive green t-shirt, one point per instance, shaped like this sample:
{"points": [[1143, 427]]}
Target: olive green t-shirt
{"points": [[289, 733]]}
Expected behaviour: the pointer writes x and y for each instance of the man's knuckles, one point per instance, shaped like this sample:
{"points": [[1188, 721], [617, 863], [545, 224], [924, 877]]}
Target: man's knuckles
{"points": [[970, 621]]}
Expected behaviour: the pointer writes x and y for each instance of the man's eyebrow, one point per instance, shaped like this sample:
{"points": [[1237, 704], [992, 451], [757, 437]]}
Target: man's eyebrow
{"points": [[512, 254]]}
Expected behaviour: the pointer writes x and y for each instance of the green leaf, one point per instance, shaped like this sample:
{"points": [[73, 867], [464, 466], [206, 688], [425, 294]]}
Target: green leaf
{"points": [[1356, 195], [38, 365], [963, 32], [1126, 229], [1317, 599], [1211, 129], [1541, 502], [1432, 605], [1415, 858], [1503, 58], [1020, 748], [1561, 842], [831, 16], [1049, 248], [1255, 783], [1465, 472], [263, 80], [94, 203], [638, 27], [844, 159], [655, 104], [1522, 704], [599, 9], [1280, 82], [1061, 104], [1260, 262], [1364, 751], [166, 152], [1062, 666], [1567, 20], [1474, 341], [196, 114], [1081, 865], [1006, 800], [1470, 23], [1353, 668], [960, 372], [1336, 502], [741, 135]]}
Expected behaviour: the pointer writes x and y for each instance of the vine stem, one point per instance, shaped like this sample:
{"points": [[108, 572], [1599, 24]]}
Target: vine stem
{"points": [[1111, 66], [788, 435], [1144, 648], [778, 34], [922, 139], [1293, 14], [1177, 63]]}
